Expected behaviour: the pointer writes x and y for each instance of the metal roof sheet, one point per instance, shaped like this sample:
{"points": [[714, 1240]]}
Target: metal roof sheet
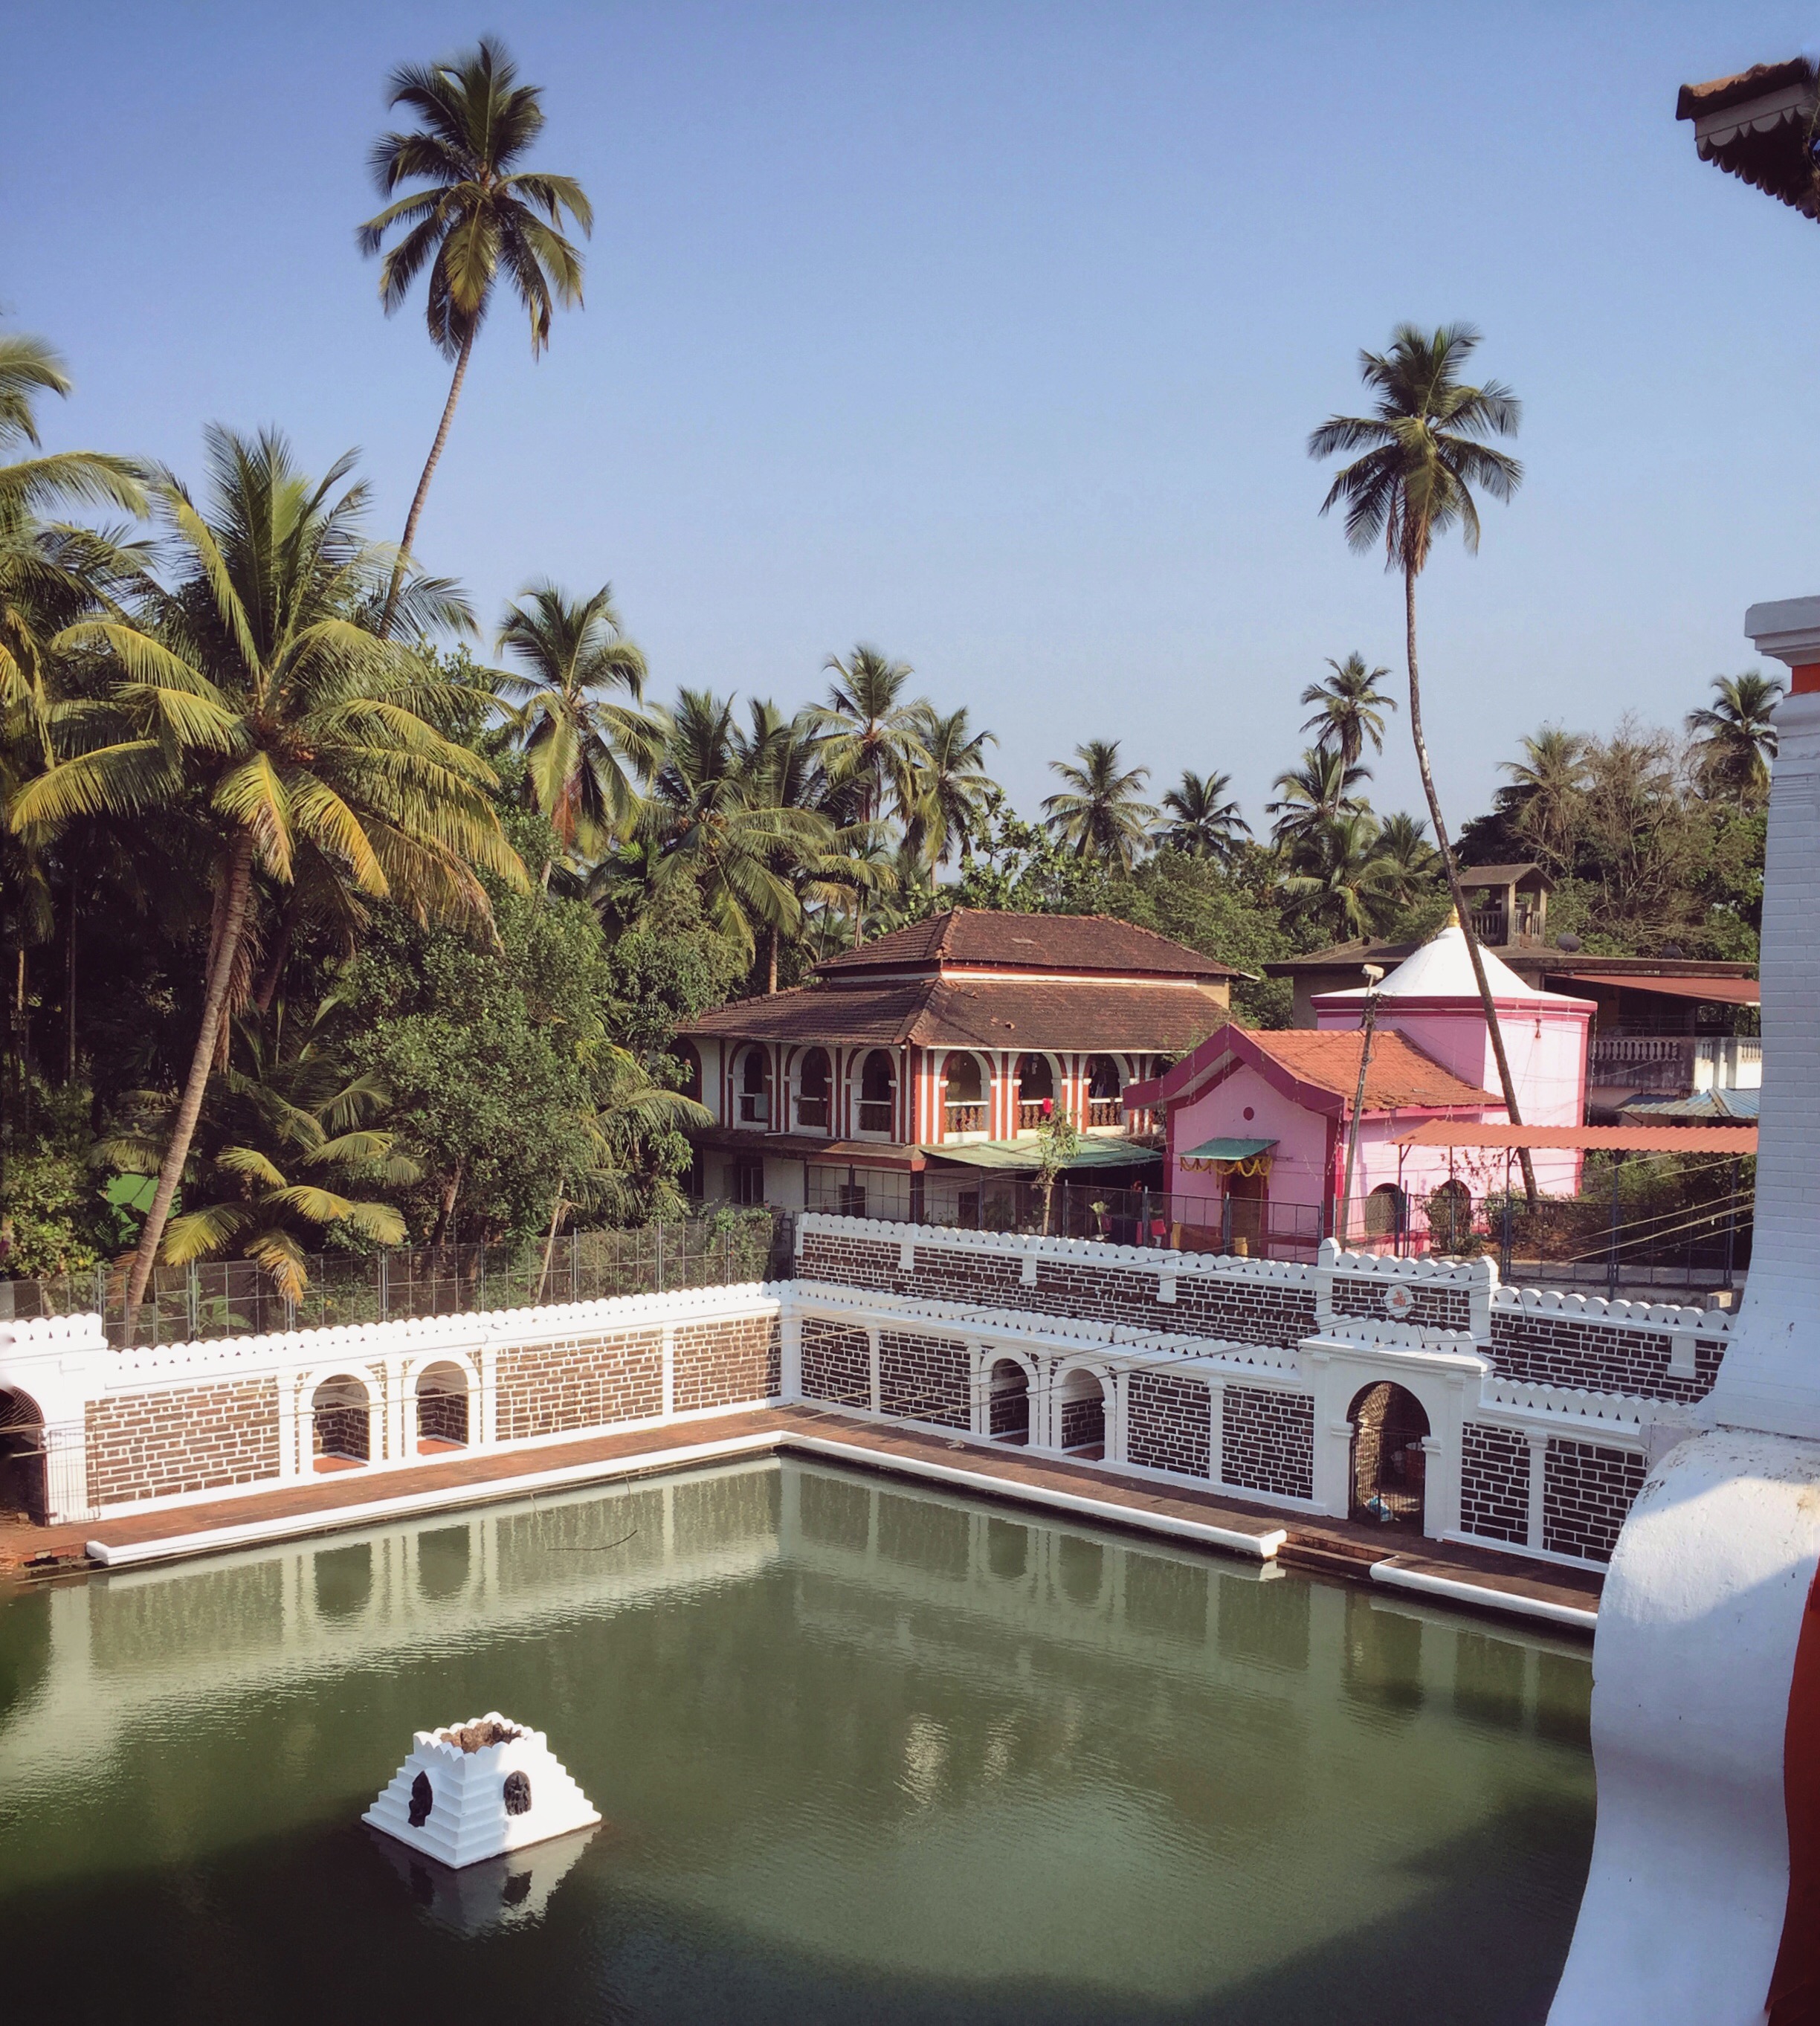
{"points": [[1614, 1139]]}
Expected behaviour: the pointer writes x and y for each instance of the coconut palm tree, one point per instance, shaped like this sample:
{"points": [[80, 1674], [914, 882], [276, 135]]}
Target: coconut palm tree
{"points": [[473, 218], [1321, 788], [1100, 814], [1350, 707], [257, 696], [278, 1143], [711, 814], [951, 783], [1736, 737], [1342, 881], [577, 742], [1424, 447], [872, 745], [1548, 788], [1411, 863], [1205, 822]]}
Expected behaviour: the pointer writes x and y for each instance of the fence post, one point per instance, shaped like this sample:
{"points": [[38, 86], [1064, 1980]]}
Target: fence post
{"points": [[1612, 1247], [660, 1246], [1504, 1247], [384, 1287], [1731, 1224]]}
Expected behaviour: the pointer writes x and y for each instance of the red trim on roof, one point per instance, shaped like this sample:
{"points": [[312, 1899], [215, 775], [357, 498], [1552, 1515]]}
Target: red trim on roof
{"points": [[1319, 1070]]}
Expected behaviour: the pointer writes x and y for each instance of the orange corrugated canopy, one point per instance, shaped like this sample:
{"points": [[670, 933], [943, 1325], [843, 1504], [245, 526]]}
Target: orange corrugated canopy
{"points": [[1615, 1139], [1714, 991]]}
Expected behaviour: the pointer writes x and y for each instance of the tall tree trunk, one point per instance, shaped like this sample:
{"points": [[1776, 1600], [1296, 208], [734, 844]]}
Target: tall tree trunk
{"points": [[239, 893], [69, 996], [268, 986], [771, 958], [451, 1188], [1461, 909], [422, 493]]}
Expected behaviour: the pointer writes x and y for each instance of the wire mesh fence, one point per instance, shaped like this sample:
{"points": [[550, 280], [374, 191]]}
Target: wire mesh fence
{"points": [[1674, 1225], [724, 1246]]}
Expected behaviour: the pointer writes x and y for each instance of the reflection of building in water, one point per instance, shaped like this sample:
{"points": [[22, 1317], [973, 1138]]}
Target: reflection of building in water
{"points": [[508, 1892]]}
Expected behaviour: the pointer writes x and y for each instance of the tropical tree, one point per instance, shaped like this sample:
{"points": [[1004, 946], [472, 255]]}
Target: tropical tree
{"points": [[1205, 821], [473, 218], [1101, 815], [1349, 708], [710, 811], [1736, 736], [577, 741], [1318, 791], [1342, 881], [255, 694], [1411, 865], [872, 745], [278, 1144], [1547, 789], [951, 783], [1424, 447]]}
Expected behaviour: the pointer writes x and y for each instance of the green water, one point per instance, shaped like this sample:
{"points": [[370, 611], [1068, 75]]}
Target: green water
{"points": [[864, 1753]]}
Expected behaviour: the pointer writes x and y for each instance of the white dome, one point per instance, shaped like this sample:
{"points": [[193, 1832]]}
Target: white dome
{"points": [[1443, 969]]}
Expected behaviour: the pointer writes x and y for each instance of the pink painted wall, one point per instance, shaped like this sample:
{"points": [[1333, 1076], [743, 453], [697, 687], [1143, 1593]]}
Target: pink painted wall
{"points": [[1298, 1166]]}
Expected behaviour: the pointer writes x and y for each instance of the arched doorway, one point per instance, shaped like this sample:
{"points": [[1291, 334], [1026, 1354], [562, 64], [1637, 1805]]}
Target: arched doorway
{"points": [[1389, 1465], [1036, 1091], [877, 1095], [1245, 1217], [22, 1487], [1105, 1107], [1008, 1402], [442, 1409], [964, 1099], [754, 1098], [343, 1416], [1386, 1214], [1081, 1408], [812, 1091], [1449, 1217]]}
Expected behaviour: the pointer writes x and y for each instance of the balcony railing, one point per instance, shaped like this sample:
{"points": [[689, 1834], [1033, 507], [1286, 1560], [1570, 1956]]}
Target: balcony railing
{"points": [[1032, 1111], [812, 1111], [754, 1108], [1677, 1064], [964, 1118], [1105, 1111], [876, 1115]]}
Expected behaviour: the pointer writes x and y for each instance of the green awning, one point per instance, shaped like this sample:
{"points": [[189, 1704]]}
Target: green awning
{"points": [[1228, 1150], [1024, 1157]]}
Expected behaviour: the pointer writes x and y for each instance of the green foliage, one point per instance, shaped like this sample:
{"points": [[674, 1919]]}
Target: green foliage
{"points": [[54, 1218]]}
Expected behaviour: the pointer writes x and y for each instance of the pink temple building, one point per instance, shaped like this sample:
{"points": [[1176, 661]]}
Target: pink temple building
{"points": [[1257, 1123]]}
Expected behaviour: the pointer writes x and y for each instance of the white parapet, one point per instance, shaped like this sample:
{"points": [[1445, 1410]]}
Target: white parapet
{"points": [[476, 1790], [1690, 1908]]}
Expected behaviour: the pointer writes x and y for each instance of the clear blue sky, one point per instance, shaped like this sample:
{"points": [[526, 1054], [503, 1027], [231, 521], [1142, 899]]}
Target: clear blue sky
{"points": [[992, 333]]}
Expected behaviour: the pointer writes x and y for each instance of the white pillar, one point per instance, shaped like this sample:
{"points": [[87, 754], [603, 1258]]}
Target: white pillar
{"points": [[790, 1350], [1538, 1456], [872, 1361]]}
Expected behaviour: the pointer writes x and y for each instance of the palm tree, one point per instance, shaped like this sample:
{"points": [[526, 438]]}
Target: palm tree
{"points": [[258, 694], [1424, 448], [1101, 815], [51, 575], [711, 814], [277, 1143], [1206, 822], [1318, 791], [1737, 735], [1548, 788], [1350, 707], [473, 218], [574, 737], [1342, 881], [951, 783], [1411, 863], [872, 746]]}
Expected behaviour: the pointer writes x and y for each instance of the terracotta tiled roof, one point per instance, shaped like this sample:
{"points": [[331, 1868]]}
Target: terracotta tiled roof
{"points": [[987, 1012], [1755, 126], [1078, 945], [1320, 1072], [1719, 94], [1397, 1074]]}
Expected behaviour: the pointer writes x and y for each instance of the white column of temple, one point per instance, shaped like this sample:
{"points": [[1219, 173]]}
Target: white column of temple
{"points": [[1694, 1665]]}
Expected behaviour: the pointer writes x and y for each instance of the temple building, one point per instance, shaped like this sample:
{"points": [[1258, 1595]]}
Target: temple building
{"points": [[914, 1076], [1258, 1124]]}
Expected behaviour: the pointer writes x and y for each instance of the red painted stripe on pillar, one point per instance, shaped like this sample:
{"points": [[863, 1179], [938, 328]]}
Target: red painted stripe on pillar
{"points": [[1804, 680], [1794, 1998]]}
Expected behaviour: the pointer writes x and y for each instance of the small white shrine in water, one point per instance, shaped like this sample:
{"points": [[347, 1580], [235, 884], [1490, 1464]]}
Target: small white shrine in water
{"points": [[478, 1789]]}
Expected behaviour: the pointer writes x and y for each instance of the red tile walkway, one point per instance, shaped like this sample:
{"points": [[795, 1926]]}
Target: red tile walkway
{"points": [[1334, 1547]]}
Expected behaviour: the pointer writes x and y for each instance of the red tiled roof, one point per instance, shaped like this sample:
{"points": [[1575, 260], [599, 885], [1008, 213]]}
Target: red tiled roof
{"points": [[1319, 1071], [1755, 126], [1080, 944], [987, 1012], [1719, 94], [1397, 1074]]}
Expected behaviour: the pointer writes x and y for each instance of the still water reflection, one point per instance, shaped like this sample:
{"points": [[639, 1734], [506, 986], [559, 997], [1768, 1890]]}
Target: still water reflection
{"points": [[862, 1751]]}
